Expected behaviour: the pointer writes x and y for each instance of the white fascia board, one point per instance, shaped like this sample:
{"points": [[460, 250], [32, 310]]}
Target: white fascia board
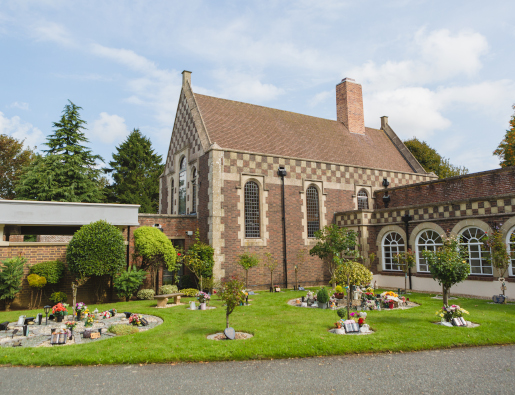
{"points": [[24, 212]]}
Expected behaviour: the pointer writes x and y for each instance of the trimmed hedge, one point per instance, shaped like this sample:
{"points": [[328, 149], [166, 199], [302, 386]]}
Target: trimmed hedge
{"points": [[168, 289], [53, 271], [146, 294]]}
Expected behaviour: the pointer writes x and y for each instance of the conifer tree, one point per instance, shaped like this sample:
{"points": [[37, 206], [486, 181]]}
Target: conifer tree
{"points": [[136, 169], [67, 172], [506, 149]]}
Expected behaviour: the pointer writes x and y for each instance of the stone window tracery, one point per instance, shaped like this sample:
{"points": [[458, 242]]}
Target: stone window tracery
{"points": [[313, 210], [362, 200], [472, 241], [252, 212], [427, 240], [182, 186], [194, 191], [392, 244]]}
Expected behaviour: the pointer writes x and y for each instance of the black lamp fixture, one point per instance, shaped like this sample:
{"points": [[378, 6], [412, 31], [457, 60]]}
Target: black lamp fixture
{"points": [[47, 310], [386, 197]]}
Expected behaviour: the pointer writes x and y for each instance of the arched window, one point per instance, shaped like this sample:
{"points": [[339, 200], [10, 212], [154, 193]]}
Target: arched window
{"points": [[182, 187], [427, 240], [313, 212], [252, 215], [472, 240], [393, 243], [362, 200], [194, 191], [510, 243]]}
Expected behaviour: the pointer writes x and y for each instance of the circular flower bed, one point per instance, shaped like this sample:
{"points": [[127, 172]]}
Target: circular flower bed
{"points": [[238, 336]]}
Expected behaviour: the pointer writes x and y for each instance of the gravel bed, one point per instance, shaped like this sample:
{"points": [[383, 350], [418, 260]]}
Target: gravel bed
{"points": [[449, 325], [341, 331], [238, 336], [39, 335], [409, 305]]}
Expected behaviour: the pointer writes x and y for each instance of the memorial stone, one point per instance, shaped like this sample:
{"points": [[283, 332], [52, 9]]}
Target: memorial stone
{"points": [[230, 333], [21, 320]]}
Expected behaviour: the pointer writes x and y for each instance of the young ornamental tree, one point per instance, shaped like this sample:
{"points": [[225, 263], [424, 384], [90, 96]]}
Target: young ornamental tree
{"points": [[448, 265], [301, 259], [405, 260], [155, 249], [247, 261], [97, 249], [335, 242], [498, 256], [35, 283], [200, 260], [231, 293], [271, 264], [11, 276], [351, 273]]}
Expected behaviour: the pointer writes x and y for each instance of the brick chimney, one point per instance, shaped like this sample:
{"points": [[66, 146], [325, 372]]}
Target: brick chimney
{"points": [[349, 105]]}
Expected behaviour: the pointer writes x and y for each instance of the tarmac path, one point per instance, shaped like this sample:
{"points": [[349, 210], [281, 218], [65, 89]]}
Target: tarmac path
{"points": [[481, 370]]}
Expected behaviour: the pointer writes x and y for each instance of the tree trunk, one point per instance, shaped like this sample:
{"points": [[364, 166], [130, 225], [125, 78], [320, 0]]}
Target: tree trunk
{"points": [[201, 287], [405, 282], [296, 282], [227, 320], [445, 295], [7, 305], [349, 293], [247, 278], [272, 281], [74, 293]]}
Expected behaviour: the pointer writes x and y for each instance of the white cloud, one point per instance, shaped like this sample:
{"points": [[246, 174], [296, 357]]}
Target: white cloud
{"points": [[245, 87], [109, 128], [51, 31], [20, 130], [20, 105], [320, 98]]}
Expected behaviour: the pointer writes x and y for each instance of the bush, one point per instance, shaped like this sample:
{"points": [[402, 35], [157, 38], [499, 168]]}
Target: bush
{"points": [[189, 291], [96, 249], [121, 330], [339, 289], [146, 294], [10, 279], [322, 296], [58, 297], [36, 281], [128, 282], [53, 271], [168, 289], [341, 313]]}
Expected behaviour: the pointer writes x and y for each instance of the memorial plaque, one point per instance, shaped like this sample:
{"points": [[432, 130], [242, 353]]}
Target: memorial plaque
{"points": [[21, 320], [351, 328], [230, 333], [456, 322], [58, 338], [143, 321], [95, 335], [4, 325], [251, 293], [86, 334], [463, 321], [27, 320], [17, 343], [301, 289], [78, 339]]}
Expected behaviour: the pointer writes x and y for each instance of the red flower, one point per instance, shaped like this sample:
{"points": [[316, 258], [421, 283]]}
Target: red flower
{"points": [[361, 321], [179, 254]]}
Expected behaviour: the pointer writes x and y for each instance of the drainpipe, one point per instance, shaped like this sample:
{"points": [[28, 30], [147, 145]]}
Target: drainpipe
{"points": [[128, 244], [406, 219], [282, 173]]}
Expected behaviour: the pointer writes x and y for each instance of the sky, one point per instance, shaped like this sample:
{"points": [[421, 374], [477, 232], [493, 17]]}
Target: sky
{"points": [[442, 71]]}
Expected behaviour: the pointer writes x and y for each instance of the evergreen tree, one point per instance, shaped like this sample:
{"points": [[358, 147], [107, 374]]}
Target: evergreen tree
{"points": [[136, 169], [432, 161], [13, 158], [506, 149], [67, 172]]}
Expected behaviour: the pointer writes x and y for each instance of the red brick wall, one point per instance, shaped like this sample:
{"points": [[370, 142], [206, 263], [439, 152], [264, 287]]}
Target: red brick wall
{"points": [[476, 185], [349, 106]]}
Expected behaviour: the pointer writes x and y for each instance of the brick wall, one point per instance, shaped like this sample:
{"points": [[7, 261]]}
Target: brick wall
{"points": [[349, 106]]}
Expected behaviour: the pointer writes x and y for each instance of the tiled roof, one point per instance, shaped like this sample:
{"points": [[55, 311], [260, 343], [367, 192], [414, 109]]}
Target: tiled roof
{"points": [[248, 127]]}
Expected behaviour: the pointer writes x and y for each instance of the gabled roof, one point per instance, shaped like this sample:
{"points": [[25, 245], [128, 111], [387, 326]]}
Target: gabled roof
{"points": [[247, 127]]}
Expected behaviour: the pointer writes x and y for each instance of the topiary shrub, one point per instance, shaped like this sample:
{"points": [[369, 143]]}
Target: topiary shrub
{"points": [[128, 282], [322, 296], [53, 271], [146, 294], [97, 249], [121, 330], [36, 283], [341, 312], [58, 297], [189, 291], [168, 289]]}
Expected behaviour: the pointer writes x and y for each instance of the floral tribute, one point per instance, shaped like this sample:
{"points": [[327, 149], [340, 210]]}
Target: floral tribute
{"points": [[90, 319], [449, 312], [135, 319], [106, 314], [70, 325], [59, 309], [203, 297], [81, 307]]}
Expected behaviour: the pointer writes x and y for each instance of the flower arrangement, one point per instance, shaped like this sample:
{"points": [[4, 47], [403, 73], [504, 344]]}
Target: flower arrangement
{"points": [[359, 317], [106, 314], [369, 295], [90, 318], [70, 325], [389, 295], [81, 307], [369, 289], [59, 309], [135, 320], [203, 297], [450, 312], [113, 312]]}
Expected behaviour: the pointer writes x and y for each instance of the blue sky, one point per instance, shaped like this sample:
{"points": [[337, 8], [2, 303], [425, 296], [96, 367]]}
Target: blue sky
{"points": [[442, 71]]}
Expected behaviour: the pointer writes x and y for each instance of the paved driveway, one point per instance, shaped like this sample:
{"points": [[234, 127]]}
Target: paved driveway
{"points": [[485, 370]]}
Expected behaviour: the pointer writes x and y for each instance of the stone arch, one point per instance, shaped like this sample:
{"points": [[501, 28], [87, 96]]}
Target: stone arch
{"points": [[379, 241]]}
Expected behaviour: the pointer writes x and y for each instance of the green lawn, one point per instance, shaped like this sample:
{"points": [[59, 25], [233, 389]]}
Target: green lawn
{"points": [[280, 331]]}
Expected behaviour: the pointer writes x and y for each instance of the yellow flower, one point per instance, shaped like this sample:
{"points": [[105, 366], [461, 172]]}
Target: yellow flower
{"points": [[441, 315]]}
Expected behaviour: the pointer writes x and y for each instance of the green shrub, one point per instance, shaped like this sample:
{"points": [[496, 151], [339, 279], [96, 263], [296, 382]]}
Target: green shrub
{"points": [[58, 297], [189, 291], [10, 279], [96, 249], [322, 296], [339, 289], [121, 329], [186, 281], [146, 294], [341, 313], [36, 281], [128, 282], [168, 289], [53, 271]]}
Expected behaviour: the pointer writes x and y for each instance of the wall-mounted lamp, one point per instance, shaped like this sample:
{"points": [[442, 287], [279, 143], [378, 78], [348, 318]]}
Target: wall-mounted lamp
{"points": [[189, 232], [386, 197]]}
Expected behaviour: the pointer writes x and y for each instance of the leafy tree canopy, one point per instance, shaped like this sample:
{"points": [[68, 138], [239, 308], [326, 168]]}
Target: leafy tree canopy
{"points": [[96, 249], [67, 173], [13, 158], [155, 248], [506, 149], [432, 161], [136, 169]]}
